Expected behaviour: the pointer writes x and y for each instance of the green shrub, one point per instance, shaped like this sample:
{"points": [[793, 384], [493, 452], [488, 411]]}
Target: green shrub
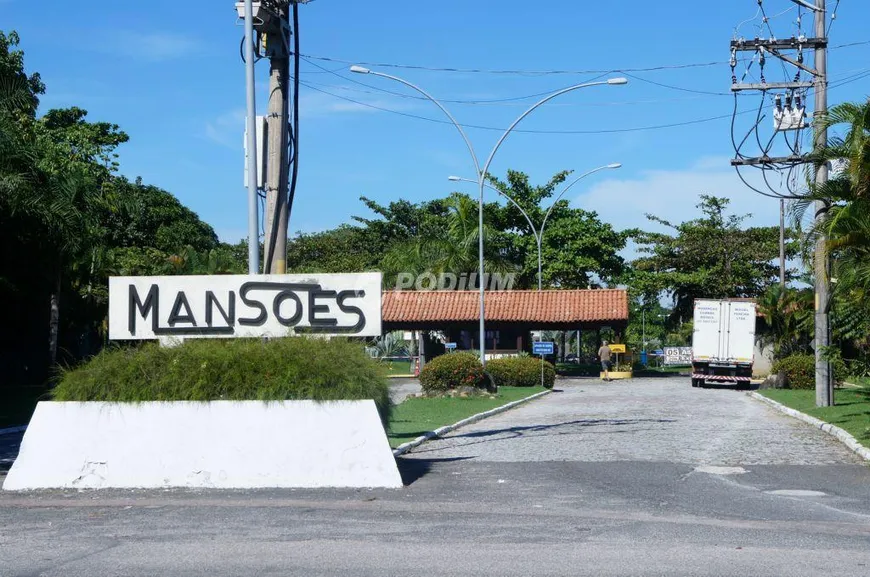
{"points": [[240, 369], [800, 370], [451, 371], [520, 372]]}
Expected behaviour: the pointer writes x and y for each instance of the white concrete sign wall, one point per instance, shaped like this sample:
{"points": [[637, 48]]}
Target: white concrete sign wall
{"points": [[227, 306], [220, 444]]}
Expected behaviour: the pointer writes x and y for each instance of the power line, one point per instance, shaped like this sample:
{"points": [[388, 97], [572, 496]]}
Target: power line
{"points": [[534, 72], [505, 101], [672, 87], [510, 99], [520, 72], [415, 97], [527, 131]]}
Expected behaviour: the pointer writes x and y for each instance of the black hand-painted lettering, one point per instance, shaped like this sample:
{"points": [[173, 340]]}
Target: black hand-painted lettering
{"points": [[211, 302], [348, 294], [260, 319], [175, 315], [151, 305], [314, 308], [276, 308]]}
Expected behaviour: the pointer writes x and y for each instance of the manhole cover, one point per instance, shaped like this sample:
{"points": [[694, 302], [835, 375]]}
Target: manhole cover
{"points": [[796, 493]]}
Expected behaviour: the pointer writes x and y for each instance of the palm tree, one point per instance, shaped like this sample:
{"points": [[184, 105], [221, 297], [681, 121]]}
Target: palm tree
{"points": [[788, 320], [455, 252], [56, 203], [846, 222]]}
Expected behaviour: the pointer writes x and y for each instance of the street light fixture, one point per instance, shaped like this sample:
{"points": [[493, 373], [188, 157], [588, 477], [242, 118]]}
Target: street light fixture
{"points": [[483, 171]]}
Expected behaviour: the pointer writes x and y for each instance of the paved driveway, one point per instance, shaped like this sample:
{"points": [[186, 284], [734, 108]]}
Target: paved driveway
{"points": [[662, 420], [597, 480]]}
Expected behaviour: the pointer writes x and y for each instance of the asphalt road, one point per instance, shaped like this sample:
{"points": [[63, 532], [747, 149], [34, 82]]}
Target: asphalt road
{"points": [[647, 478]]}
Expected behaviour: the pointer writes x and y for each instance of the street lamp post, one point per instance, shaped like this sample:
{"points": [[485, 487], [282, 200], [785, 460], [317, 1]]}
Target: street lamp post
{"points": [[482, 172], [539, 233]]}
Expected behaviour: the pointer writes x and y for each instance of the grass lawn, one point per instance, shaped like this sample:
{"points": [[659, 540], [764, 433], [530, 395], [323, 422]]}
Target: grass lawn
{"points": [[399, 367], [670, 369], [851, 412], [862, 381], [417, 416], [17, 404]]}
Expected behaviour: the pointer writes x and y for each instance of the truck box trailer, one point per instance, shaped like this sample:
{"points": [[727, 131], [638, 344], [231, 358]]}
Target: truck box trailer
{"points": [[723, 345]]}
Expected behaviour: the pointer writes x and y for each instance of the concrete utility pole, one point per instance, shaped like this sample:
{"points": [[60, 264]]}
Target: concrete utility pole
{"points": [[277, 121], [782, 242], [824, 382], [776, 48], [251, 118]]}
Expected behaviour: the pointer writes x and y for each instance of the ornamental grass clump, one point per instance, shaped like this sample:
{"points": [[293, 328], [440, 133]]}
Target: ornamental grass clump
{"points": [[293, 368]]}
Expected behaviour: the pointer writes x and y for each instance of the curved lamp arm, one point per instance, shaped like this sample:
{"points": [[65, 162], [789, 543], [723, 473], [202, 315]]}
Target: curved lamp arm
{"points": [[610, 81], [524, 213], [362, 70], [612, 166]]}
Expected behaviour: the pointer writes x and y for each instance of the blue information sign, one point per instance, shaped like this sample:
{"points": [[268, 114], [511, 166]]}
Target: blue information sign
{"points": [[449, 346], [543, 348]]}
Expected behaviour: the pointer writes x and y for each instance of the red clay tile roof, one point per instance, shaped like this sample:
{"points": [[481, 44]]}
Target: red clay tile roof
{"points": [[549, 306]]}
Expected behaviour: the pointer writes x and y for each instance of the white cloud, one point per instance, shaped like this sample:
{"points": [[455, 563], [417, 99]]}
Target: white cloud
{"points": [[674, 194], [227, 129], [156, 46]]}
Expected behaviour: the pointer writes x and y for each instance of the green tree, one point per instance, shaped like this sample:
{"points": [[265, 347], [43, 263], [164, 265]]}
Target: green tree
{"points": [[67, 222], [343, 249], [454, 250], [578, 250], [788, 320], [713, 256], [845, 225]]}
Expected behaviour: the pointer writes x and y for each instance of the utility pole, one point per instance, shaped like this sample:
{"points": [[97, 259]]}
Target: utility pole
{"points": [[824, 383], [277, 122], [251, 143], [791, 118], [782, 242]]}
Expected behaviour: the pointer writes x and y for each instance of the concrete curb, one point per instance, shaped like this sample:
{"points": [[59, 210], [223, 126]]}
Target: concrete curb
{"points": [[10, 430], [832, 430], [406, 447]]}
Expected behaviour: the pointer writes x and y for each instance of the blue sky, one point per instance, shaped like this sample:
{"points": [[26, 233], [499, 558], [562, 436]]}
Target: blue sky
{"points": [[169, 74]]}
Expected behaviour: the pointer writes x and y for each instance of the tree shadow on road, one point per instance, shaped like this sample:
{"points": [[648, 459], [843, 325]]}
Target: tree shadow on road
{"points": [[564, 428], [554, 428]]}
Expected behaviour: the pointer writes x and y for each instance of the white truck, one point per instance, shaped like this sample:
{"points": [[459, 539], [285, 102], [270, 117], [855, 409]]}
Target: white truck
{"points": [[723, 345]]}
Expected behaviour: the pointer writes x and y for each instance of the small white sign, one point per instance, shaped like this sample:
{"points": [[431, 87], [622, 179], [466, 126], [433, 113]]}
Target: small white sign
{"points": [[228, 306], [678, 356]]}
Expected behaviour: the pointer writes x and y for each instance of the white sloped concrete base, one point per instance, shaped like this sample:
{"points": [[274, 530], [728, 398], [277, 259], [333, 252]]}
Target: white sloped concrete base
{"points": [[220, 444]]}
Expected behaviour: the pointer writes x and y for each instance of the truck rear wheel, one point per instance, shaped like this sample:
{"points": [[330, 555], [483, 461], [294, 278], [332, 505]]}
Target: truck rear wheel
{"points": [[696, 382]]}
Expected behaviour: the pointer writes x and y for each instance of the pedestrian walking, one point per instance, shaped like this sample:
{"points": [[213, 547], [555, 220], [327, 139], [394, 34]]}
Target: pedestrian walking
{"points": [[604, 354]]}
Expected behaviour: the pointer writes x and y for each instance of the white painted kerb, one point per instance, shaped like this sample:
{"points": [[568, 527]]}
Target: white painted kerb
{"points": [[833, 430], [221, 444]]}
